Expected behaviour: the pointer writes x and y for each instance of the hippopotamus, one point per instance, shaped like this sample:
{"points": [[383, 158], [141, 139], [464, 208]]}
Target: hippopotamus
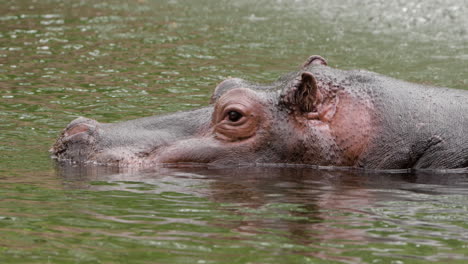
{"points": [[316, 116]]}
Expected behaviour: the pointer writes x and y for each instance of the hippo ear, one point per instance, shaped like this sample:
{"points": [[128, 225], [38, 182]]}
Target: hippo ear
{"points": [[307, 96], [315, 60]]}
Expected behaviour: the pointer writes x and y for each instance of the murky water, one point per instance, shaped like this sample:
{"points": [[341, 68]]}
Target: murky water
{"points": [[118, 60]]}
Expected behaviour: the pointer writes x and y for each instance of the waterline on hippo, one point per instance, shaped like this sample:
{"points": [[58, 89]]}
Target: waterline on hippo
{"points": [[318, 116]]}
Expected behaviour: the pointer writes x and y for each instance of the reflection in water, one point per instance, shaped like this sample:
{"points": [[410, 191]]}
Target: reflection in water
{"points": [[322, 214]]}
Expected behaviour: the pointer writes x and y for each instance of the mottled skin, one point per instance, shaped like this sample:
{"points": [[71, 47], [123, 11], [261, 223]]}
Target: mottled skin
{"points": [[317, 115]]}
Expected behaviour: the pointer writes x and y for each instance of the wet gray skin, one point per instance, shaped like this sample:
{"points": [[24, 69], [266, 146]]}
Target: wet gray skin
{"points": [[317, 116]]}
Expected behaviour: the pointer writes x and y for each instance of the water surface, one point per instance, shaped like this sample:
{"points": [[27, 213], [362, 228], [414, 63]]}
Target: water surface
{"points": [[118, 60]]}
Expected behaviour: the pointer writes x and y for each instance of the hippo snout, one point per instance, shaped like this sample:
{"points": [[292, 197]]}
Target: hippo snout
{"points": [[77, 141]]}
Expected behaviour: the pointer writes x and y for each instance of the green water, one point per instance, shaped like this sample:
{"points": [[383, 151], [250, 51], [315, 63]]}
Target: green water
{"points": [[118, 60]]}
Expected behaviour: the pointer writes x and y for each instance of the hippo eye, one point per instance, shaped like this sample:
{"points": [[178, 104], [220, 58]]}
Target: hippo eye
{"points": [[234, 116]]}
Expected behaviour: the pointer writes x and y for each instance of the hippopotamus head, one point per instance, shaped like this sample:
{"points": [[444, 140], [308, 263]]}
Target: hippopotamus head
{"points": [[306, 117]]}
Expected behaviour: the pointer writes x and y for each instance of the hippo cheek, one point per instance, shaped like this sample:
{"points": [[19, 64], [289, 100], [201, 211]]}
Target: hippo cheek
{"points": [[205, 151]]}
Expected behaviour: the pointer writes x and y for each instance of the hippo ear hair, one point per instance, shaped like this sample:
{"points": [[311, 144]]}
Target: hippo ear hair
{"points": [[303, 95]]}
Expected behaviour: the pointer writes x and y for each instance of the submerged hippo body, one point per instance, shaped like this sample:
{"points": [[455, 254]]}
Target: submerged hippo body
{"points": [[317, 115]]}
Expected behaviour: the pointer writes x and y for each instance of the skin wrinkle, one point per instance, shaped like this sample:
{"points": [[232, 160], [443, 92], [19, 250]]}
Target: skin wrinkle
{"points": [[245, 100]]}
